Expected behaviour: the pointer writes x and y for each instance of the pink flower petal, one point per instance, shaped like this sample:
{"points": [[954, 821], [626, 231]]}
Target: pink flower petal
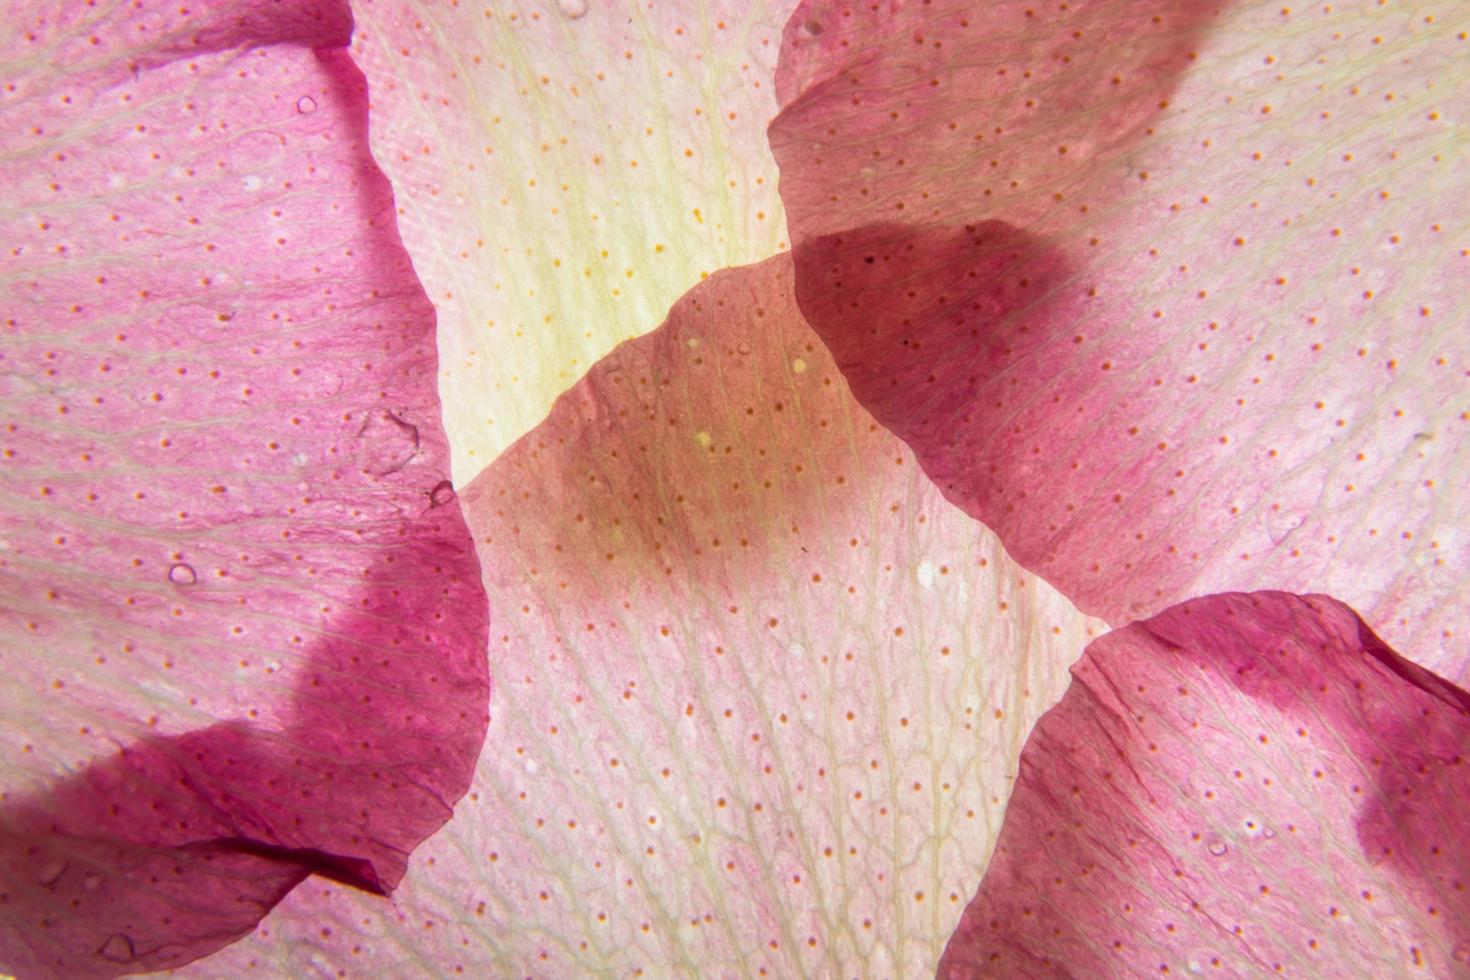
{"points": [[565, 172], [1242, 785], [242, 633], [761, 689], [1170, 295]]}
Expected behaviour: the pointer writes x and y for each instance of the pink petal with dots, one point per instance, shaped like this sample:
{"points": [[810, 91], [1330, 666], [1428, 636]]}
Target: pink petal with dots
{"points": [[1171, 295], [565, 171], [1244, 785], [760, 689], [242, 637]]}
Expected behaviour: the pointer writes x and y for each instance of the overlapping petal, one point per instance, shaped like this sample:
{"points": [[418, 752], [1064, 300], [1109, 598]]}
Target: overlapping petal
{"points": [[764, 688], [565, 171], [1244, 785], [760, 689], [243, 629], [1172, 295]]}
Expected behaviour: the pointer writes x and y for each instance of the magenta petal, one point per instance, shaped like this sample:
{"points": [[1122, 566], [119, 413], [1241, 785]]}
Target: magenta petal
{"points": [[1242, 784], [1151, 291], [742, 638], [243, 633]]}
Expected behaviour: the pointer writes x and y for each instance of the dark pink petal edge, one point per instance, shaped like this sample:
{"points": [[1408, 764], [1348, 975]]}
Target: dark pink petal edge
{"points": [[1149, 292], [227, 490], [749, 639], [1245, 784]]}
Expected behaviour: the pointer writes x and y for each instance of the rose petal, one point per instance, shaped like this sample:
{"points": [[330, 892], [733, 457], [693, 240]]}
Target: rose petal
{"points": [[1171, 296], [242, 636], [761, 687], [1243, 784], [564, 172]]}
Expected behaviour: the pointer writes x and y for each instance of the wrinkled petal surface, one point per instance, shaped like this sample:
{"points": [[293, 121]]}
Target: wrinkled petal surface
{"points": [[1244, 785], [1174, 296], [242, 631], [760, 689], [566, 170]]}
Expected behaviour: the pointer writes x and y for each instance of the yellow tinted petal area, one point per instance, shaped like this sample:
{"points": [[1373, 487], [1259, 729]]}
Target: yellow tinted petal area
{"points": [[760, 691], [563, 173]]}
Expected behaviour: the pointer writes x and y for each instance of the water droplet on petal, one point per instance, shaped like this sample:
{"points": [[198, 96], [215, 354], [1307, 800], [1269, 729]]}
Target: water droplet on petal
{"points": [[387, 442], [306, 105], [925, 574], [442, 493], [812, 28], [1216, 846], [1279, 524], [1436, 571], [51, 872], [181, 574], [573, 9], [118, 949], [1268, 832], [743, 347]]}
